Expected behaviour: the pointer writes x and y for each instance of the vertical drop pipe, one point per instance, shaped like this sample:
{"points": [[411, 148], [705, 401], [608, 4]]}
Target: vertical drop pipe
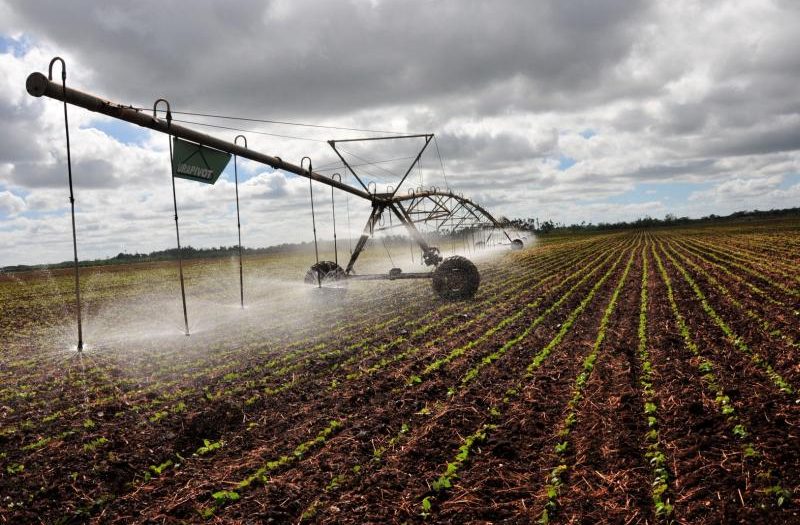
{"points": [[333, 212], [175, 208], [313, 219], [71, 199], [349, 228], [238, 222]]}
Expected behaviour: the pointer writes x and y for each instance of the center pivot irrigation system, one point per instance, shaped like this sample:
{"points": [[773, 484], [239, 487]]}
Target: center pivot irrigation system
{"points": [[453, 277]]}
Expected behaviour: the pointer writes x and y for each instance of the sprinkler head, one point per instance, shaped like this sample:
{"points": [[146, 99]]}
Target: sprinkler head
{"points": [[80, 346]]}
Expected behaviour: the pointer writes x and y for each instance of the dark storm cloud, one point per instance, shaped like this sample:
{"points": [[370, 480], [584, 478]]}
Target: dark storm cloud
{"points": [[312, 58], [632, 119], [683, 119], [776, 139], [696, 91], [496, 150], [674, 169]]}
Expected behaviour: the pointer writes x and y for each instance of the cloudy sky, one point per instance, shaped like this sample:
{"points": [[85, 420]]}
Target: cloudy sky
{"points": [[587, 110]]}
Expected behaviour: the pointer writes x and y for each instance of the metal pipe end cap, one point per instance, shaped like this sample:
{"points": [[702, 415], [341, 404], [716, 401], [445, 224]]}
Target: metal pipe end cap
{"points": [[36, 84]]}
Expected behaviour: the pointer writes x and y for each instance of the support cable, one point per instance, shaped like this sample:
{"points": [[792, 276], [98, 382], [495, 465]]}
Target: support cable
{"points": [[230, 128], [441, 163], [284, 123], [336, 166], [369, 162], [71, 199]]}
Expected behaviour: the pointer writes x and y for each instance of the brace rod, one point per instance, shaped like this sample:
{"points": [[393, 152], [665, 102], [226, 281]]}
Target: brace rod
{"points": [[390, 277], [362, 241], [350, 168], [38, 85], [419, 155], [427, 136], [369, 228], [398, 210]]}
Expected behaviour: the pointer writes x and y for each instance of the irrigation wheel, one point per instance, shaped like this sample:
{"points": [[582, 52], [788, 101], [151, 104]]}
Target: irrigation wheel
{"points": [[516, 244], [324, 272], [456, 278]]}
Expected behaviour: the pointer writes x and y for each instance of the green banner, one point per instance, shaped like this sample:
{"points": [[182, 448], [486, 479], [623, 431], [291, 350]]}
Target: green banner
{"points": [[196, 162]]}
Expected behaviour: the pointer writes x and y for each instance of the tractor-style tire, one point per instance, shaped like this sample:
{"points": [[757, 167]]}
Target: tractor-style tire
{"points": [[456, 278], [324, 272], [517, 244]]}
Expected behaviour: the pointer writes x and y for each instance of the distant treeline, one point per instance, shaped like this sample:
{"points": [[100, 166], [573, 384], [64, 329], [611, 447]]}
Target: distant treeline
{"points": [[188, 252], [547, 226], [530, 224]]}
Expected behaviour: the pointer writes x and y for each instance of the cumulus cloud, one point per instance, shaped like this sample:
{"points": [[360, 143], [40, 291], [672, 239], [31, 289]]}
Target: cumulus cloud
{"points": [[545, 109], [11, 204], [742, 190]]}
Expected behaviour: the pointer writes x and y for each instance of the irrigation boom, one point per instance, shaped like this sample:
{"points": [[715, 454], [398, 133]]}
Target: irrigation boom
{"points": [[454, 277], [38, 85]]}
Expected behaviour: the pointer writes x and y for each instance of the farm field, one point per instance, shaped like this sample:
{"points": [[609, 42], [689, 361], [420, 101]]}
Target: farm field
{"points": [[629, 377]]}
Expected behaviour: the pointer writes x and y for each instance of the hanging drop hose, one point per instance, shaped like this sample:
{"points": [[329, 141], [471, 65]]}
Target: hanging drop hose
{"points": [[71, 200], [387, 251], [313, 218], [453, 233], [349, 229], [175, 208], [333, 212], [238, 221], [384, 241], [441, 163]]}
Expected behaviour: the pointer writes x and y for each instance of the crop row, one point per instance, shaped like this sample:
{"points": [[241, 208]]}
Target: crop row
{"points": [[451, 472], [407, 428], [654, 454], [736, 340], [709, 376], [746, 257], [765, 324], [162, 462], [556, 476]]}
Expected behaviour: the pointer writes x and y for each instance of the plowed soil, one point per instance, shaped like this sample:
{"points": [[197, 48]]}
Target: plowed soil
{"points": [[380, 403]]}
